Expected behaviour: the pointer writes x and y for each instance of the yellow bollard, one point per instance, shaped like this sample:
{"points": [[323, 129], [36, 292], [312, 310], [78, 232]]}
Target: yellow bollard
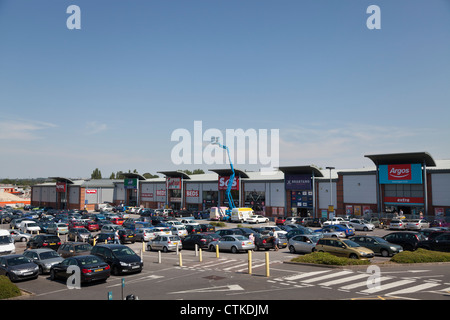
{"points": [[180, 258], [94, 241], [200, 255], [267, 265], [143, 246], [249, 261], [217, 251]]}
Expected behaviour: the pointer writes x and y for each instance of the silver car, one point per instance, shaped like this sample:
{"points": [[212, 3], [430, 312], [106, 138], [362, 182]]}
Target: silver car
{"points": [[165, 243], [304, 243], [417, 224], [362, 225], [233, 243], [19, 235], [44, 258], [398, 224]]}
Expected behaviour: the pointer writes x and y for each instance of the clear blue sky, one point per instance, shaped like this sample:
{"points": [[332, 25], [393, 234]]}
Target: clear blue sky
{"points": [[110, 95]]}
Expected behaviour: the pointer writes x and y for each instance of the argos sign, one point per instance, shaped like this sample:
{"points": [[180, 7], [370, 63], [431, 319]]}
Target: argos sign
{"points": [[401, 173]]}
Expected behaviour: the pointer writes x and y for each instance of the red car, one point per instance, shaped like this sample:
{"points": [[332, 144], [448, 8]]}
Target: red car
{"points": [[280, 221], [118, 221], [92, 226], [74, 225]]}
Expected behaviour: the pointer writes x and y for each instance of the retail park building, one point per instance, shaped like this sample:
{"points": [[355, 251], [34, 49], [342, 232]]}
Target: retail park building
{"points": [[410, 182]]}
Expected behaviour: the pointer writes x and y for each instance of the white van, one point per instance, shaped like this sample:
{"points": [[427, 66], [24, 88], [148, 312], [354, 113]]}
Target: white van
{"points": [[6, 243], [216, 213], [240, 214], [29, 226]]}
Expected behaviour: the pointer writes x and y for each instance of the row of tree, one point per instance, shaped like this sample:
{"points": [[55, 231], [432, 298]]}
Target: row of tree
{"points": [[97, 174]]}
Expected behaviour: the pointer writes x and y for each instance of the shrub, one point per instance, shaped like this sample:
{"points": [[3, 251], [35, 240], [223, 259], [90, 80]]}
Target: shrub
{"points": [[421, 256], [8, 289], [218, 224], [328, 259]]}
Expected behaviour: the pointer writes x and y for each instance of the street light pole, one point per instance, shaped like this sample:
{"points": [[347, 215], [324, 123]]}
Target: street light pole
{"points": [[331, 187]]}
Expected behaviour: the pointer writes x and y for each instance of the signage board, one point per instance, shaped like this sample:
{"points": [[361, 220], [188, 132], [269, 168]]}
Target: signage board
{"points": [[60, 187], [400, 173], [298, 182], [173, 183], [223, 183], [129, 183]]}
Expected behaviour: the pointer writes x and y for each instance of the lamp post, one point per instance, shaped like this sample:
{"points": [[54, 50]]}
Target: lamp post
{"points": [[331, 187]]}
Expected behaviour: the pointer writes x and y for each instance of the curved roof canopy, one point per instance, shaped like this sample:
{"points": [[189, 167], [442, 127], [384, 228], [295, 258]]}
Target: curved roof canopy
{"points": [[302, 170], [228, 172], [175, 174], [403, 158], [131, 175], [61, 179]]}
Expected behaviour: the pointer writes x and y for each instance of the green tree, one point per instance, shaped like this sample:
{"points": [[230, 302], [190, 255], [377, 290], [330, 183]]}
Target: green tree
{"points": [[96, 174]]}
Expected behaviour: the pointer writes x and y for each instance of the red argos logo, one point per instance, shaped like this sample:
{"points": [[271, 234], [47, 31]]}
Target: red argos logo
{"points": [[399, 172]]}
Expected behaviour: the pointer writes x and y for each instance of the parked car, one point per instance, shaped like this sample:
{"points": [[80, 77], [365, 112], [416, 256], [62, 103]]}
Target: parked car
{"points": [[280, 221], [335, 231], [57, 228], [120, 258], [303, 243], [70, 249], [92, 268], [44, 258], [127, 235], [361, 225], [206, 227], [110, 228], [193, 228], [409, 240], [257, 219], [179, 230], [29, 226], [18, 267], [343, 248], [298, 231], [165, 243], [417, 224], [44, 241], [397, 224], [79, 234], [20, 236], [92, 226], [117, 221], [201, 240], [106, 237], [378, 245], [438, 241], [333, 221], [233, 243], [144, 234]]}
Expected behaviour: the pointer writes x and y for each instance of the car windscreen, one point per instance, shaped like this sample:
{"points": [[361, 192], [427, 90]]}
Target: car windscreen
{"points": [[83, 247], [48, 255], [5, 239], [351, 244], [16, 261], [123, 252], [90, 260]]}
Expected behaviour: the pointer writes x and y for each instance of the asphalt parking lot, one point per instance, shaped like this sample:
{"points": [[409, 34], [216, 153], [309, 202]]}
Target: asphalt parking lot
{"points": [[189, 275]]}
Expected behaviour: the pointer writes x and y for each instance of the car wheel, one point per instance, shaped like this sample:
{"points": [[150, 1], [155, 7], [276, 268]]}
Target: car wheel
{"points": [[115, 271], [291, 249], [365, 229], [41, 271], [211, 248], [165, 249], [353, 256], [384, 253], [52, 275], [23, 239], [234, 249]]}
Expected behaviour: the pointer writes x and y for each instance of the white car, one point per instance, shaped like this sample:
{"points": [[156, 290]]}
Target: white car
{"points": [[362, 225], [179, 230], [332, 221], [417, 224], [257, 219]]}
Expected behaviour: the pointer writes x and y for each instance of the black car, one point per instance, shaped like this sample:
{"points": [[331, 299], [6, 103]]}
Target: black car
{"points": [[44, 241], [201, 240], [438, 241], [92, 268], [18, 267], [408, 240], [207, 227], [120, 258], [127, 235], [193, 228]]}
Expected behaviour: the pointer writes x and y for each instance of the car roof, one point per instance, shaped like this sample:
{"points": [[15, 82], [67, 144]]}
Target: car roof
{"points": [[39, 250]]}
